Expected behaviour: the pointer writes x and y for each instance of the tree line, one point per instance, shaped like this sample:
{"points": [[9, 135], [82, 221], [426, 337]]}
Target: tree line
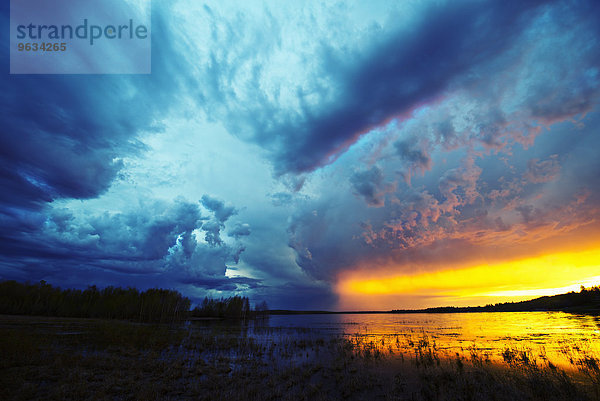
{"points": [[153, 305], [233, 307], [587, 300]]}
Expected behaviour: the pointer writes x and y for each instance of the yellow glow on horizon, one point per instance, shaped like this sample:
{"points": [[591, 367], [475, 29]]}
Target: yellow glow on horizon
{"points": [[590, 282], [545, 275]]}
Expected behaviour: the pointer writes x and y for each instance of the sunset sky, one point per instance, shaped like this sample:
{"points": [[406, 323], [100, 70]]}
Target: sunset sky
{"points": [[340, 156]]}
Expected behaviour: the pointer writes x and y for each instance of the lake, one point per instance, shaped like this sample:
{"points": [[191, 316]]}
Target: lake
{"points": [[551, 336], [316, 357]]}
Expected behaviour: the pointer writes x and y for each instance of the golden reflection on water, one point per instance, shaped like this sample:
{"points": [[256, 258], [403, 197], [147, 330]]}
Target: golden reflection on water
{"points": [[550, 336]]}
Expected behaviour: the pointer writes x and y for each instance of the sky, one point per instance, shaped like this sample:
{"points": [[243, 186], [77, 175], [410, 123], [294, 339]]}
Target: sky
{"points": [[317, 155]]}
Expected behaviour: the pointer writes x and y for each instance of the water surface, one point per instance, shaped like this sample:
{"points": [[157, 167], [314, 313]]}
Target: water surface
{"points": [[550, 336]]}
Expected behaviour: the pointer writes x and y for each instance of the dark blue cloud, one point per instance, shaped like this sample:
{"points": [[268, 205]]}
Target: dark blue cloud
{"points": [[405, 69], [63, 136], [240, 230], [478, 208], [370, 185], [492, 102], [222, 212], [414, 154], [297, 296], [155, 246], [225, 284]]}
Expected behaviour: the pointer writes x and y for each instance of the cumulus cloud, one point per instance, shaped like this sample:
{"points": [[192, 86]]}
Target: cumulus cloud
{"points": [[161, 242], [222, 212], [459, 185], [459, 129], [463, 207], [60, 141], [240, 230], [415, 154], [404, 68], [369, 184], [544, 170]]}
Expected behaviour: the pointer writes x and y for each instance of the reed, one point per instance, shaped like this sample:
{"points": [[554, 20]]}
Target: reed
{"points": [[52, 359]]}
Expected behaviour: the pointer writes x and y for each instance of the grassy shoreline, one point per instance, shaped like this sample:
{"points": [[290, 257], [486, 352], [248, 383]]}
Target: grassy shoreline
{"points": [[57, 358]]}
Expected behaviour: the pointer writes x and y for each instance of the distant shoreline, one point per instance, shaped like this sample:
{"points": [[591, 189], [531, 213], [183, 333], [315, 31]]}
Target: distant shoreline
{"points": [[281, 312], [587, 302]]}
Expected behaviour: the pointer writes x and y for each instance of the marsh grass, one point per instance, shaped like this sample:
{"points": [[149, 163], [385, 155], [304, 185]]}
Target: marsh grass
{"points": [[74, 359]]}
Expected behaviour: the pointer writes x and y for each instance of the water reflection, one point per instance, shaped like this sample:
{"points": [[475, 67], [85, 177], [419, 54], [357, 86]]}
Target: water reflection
{"points": [[549, 336]]}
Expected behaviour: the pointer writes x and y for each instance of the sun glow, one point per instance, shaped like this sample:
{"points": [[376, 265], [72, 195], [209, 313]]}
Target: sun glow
{"points": [[545, 275]]}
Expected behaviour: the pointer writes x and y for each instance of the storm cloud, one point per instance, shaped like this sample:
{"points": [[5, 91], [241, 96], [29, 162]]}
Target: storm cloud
{"points": [[277, 147]]}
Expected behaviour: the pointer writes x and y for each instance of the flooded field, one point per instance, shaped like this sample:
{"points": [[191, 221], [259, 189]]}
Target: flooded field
{"points": [[549, 335], [503, 356]]}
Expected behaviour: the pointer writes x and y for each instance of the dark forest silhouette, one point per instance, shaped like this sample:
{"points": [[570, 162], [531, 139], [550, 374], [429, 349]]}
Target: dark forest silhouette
{"points": [[235, 307], [585, 301], [152, 305], [163, 306]]}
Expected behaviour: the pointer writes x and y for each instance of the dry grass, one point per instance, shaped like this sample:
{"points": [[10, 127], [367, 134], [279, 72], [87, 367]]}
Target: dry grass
{"points": [[74, 359]]}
